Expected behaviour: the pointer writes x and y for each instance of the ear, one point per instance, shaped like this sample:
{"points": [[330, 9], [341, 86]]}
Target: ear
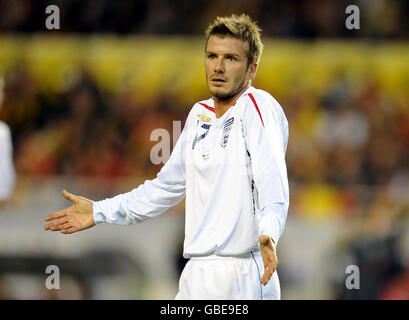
{"points": [[252, 71]]}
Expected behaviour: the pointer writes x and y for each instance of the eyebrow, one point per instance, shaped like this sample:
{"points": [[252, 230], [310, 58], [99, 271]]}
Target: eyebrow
{"points": [[224, 54]]}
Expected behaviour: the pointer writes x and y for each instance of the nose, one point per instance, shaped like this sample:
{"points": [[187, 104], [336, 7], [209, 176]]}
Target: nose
{"points": [[219, 67]]}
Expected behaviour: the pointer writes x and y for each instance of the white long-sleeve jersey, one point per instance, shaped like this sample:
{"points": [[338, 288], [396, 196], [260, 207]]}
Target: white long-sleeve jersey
{"points": [[232, 171], [7, 172]]}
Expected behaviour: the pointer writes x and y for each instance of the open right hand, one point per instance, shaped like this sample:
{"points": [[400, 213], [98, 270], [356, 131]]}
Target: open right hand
{"points": [[72, 219]]}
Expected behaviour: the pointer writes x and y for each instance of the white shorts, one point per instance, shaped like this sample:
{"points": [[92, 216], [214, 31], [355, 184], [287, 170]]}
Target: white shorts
{"points": [[228, 278]]}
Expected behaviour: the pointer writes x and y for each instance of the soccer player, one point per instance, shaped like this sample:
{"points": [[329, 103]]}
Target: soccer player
{"points": [[229, 163], [7, 172]]}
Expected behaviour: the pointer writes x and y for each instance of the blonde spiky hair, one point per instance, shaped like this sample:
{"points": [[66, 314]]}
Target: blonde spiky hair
{"points": [[240, 27]]}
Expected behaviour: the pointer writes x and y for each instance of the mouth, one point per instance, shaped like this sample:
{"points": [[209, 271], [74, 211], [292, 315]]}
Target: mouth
{"points": [[218, 81]]}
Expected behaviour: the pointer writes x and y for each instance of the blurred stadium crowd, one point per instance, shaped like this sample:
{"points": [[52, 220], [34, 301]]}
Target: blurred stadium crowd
{"points": [[341, 134], [348, 152], [294, 18]]}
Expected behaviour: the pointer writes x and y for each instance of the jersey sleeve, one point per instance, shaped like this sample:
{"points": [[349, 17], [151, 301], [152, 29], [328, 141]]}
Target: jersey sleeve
{"points": [[266, 136], [151, 198], [6, 163]]}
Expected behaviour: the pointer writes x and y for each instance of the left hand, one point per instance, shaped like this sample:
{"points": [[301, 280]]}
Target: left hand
{"points": [[269, 256]]}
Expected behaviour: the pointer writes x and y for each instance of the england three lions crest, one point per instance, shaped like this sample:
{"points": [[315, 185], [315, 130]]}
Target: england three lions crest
{"points": [[226, 132]]}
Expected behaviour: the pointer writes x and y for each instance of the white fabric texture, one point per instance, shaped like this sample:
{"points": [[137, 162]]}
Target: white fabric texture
{"points": [[226, 278], [7, 172]]}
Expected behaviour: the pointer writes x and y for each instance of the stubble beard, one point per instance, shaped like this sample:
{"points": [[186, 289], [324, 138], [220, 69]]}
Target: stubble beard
{"points": [[229, 95]]}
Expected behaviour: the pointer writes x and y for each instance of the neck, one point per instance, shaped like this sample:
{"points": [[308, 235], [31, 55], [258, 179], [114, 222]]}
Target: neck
{"points": [[222, 105]]}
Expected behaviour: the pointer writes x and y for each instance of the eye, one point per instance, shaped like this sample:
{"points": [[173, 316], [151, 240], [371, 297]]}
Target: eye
{"points": [[232, 59], [211, 56]]}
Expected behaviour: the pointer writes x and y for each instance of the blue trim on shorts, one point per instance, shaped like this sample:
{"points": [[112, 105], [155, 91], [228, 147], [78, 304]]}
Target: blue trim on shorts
{"points": [[259, 276]]}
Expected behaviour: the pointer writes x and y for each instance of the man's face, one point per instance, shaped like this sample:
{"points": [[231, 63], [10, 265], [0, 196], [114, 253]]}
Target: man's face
{"points": [[227, 70]]}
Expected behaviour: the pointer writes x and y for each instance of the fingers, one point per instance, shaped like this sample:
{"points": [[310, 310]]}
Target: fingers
{"points": [[56, 224], [270, 265], [268, 272], [56, 215], [62, 224], [69, 230], [70, 196]]}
